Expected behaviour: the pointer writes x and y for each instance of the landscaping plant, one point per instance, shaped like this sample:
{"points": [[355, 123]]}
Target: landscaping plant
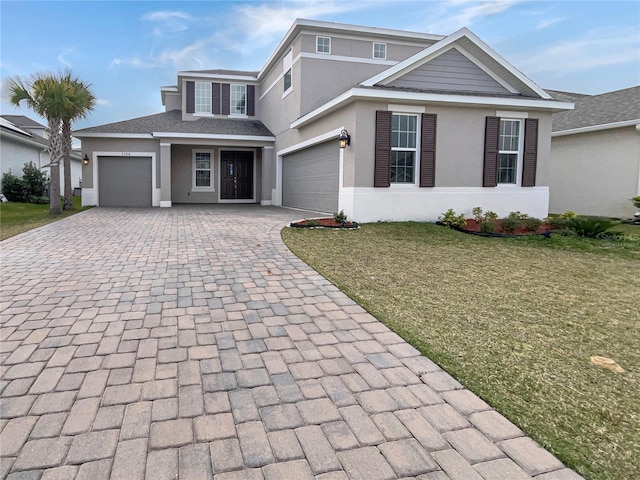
{"points": [[451, 219], [590, 227]]}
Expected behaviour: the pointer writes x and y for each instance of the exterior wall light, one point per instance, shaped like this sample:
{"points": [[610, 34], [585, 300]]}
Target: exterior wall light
{"points": [[85, 160], [345, 139]]}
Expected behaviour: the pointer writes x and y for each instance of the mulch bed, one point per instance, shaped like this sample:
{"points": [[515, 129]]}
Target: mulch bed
{"points": [[324, 223], [473, 227]]}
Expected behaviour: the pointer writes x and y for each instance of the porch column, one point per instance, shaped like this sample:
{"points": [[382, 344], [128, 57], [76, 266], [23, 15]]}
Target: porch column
{"points": [[268, 175], [165, 174]]}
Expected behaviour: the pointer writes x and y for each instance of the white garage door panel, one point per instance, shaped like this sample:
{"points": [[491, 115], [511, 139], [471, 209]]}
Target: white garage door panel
{"points": [[124, 181], [310, 178]]}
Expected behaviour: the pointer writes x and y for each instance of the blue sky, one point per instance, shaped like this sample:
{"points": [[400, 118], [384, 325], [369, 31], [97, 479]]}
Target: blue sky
{"points": [[128, 50]]}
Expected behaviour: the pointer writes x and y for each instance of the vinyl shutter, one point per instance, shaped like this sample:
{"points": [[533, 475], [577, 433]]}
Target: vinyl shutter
{"points": [[191, 97], [215, 98], [226, 98], [491, 136], [251, 94], [382, 168], [428, 150], [530, 156]]}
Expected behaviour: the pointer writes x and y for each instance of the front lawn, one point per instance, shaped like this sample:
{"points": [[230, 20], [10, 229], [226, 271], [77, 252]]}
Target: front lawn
{"points": [[18, 217], [515, 320]]}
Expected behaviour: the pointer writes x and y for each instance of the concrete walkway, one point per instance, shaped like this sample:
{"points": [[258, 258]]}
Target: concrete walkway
{"points": [[190, 343]]}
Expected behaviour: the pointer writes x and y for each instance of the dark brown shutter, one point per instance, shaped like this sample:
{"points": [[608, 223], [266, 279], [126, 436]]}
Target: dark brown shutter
{"points": [[428, 150], [382, 169], [191, 97], [491, 136], [215, 98], [530, 157], [226, 98], [251, 94]]}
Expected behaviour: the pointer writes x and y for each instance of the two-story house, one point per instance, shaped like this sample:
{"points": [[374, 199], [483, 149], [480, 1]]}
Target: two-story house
{"points": [[433, 122]]}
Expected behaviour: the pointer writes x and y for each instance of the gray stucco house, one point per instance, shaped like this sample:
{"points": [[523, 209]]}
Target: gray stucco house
{"points": [[435, 122], [596, 154]]}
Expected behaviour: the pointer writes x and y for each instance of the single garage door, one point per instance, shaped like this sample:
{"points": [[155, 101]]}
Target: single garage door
{"points": [[124, 181], [310, 178]]}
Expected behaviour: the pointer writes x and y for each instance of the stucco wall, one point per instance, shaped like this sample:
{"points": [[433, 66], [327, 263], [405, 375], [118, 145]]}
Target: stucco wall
{"points": [[596, 173]]}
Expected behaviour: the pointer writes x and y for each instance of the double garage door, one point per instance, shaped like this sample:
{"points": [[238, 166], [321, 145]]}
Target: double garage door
{"points": [[124, 181], [310, 178]]}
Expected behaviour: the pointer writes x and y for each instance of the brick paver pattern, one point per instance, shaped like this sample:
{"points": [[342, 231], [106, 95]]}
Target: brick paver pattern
{"points": [[190, 343]]}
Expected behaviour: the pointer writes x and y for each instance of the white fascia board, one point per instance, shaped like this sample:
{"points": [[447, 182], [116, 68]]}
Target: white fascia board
{"points": [[111, 135], [595, 128], [169, 89], [214, 136], [312, 141], [438, 48], [219, 76], [23, 140], [416, 97]]}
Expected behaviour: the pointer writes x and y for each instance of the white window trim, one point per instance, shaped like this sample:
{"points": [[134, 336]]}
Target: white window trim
{"points": [[416, 163], [519, 156], [195, 107], [373, 52], [212, 187], [290, 89], [231, 113], [317, 50]]}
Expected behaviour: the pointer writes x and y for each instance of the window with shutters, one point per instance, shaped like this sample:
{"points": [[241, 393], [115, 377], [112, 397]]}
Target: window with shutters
{"points": [[202, 170], [509, 151], [404, 148], [203, 97], [238, 99]]}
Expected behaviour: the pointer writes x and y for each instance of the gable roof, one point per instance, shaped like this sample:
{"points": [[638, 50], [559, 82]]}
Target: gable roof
{"points": [[599, 112], [472, 47], [22, 121], [162, 124], [9, 130]]}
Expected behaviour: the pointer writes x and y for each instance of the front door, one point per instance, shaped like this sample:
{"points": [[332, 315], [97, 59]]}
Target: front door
{"points": [[237, 175]]}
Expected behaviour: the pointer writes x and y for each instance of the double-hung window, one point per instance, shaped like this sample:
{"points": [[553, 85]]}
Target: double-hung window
{"points": [[203, 170], [509, 148], [203, 97], [323, 44], [380, 50], [404, 148], [238, 99]]}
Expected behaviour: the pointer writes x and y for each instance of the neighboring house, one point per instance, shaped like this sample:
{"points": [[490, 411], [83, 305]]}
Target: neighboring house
{"points": [[23, 140], [435, 122], [596, 154]]}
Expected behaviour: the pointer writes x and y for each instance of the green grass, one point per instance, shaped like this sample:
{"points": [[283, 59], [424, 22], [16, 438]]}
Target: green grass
{"points": [[514, 319], [17, 217]]}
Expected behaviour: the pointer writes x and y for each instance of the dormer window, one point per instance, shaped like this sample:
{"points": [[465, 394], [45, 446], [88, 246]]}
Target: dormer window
{"points": [[323, 44], [203, 97]]}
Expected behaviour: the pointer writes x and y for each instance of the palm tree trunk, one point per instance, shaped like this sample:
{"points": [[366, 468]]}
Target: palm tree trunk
{"points": [[54, 190], [57, 153], [68, 193]]}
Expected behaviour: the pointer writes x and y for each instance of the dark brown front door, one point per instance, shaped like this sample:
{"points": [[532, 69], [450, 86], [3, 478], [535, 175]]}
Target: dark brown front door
{"points": [[237, 175]]}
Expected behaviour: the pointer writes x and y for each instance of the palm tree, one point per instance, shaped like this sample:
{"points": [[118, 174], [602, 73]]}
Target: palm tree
{"points": [[59, 99]]}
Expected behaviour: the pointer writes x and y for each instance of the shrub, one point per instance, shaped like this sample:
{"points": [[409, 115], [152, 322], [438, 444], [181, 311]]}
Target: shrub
{"points": [[340, 217], [14, 188], [39, 200], [531, 223], [510, 224], [451, 219], [590, 227], [477, 214], [35, 179], [488, 226], [636, 201], [489, 215]]}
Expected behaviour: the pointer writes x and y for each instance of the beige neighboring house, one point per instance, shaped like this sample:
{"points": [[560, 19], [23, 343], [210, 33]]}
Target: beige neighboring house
{"points": [[23, 140], [595, 152], [435, 122]]}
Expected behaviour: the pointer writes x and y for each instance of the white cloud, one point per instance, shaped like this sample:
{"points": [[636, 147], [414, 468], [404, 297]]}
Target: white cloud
{"points": [[169, 21], [63, 61], [597, 49], [455, 14], [549, 22], [102, 102]]}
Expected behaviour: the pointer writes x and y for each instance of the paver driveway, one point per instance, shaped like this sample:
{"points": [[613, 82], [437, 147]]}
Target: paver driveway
{"points": [[190, 343]]}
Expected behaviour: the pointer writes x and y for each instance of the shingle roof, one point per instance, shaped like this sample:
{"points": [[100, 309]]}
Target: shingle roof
{"points": [[593, 110], [243, 73], [22, 121], [171, 122]]}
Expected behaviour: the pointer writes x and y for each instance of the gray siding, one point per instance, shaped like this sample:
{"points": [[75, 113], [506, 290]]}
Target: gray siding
{"points": [[124, 181], [310, 178], [450, 71]]}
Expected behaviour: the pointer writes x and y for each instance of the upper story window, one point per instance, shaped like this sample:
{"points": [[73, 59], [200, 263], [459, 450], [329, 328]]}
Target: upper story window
{"points": [[238, 100], [380, 50], [509, 148], [287, 80], [203, 97], [323, 44], [404, 148], [287, 65]]}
